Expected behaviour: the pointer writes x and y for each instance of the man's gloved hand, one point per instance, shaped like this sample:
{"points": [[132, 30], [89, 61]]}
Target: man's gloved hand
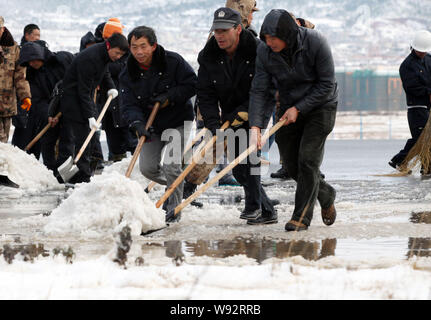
{"points": [[26, 104], [92, 123], [138, 128], [237, 119], [213, 130], [162, 98], [113, 93]]}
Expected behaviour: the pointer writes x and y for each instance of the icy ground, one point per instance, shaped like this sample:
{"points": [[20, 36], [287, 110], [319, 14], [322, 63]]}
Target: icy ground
{"points": [[379, 247]]}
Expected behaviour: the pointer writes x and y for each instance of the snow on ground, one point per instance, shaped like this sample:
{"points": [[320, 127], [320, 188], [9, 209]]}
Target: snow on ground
{"points": [[379, 247], [109, 202], [25, 170]]}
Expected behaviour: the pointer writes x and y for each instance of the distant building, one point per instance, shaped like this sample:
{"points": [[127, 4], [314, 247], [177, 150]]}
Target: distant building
{"points": [[373, 90]]}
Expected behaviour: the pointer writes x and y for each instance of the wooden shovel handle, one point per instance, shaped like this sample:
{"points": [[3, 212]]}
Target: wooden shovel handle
{"points": [[222, 173], [93, 130], [186, 149], [142, 140], [196, 158], [40, 134]]}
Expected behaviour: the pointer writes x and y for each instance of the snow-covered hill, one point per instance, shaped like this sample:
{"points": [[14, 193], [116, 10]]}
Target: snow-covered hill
{"points": [[366, 33]]}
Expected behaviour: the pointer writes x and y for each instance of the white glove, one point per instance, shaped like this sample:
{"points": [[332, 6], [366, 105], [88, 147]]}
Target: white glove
{"points": [[92, 123], [113, 93]]}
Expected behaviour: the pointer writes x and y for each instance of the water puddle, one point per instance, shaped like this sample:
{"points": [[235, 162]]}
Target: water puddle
{"points": [[263, 249]]}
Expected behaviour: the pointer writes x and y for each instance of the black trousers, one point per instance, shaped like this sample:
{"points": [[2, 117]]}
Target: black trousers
{"points": [[302, 147], [37, 119], [79, 132], [417, 118], [248, 175], [117, 138]]}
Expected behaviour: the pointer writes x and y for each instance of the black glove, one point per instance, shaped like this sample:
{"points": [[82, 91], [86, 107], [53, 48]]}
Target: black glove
{"points": [[213, 130], [237, 118], [138, 128], [162, 98]]}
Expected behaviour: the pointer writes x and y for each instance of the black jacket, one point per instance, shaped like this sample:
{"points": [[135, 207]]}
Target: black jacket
{"points": [[87, 39], [169, 73], [43, 80], [218, 87], [88, 70], [115, 69], [304, 72], [416, 77]]}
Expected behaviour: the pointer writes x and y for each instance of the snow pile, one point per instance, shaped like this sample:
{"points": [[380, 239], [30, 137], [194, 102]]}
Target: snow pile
{"points": [[25, 169], [122, 166], [106, 204]]}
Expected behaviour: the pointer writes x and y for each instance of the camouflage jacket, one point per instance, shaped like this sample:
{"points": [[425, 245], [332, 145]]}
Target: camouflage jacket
{"points": [[12, 76]]}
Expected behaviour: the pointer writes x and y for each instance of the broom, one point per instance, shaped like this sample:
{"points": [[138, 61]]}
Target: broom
{"points": [[420, 153]]}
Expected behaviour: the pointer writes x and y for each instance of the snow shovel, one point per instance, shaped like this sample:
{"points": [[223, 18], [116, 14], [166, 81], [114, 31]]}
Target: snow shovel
{"points": [[142, 140], [41, 133], [6, 182], [68, 169], [171, 214], [196, 158], [187, 148]]}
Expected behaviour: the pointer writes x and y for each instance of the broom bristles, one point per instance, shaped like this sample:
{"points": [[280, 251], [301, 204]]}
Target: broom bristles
{"points": [[420, 153]]}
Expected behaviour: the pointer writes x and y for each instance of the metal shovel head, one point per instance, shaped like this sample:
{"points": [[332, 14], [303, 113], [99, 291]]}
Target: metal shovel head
{"points": [[5, 181], [68, 169]]}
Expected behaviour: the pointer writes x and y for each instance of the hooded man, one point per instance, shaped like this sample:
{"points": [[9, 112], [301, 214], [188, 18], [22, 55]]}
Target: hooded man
{"points": [[300, 61], [155, 75], [12, 82], [44, 70], [88, 70], [226, 70]]}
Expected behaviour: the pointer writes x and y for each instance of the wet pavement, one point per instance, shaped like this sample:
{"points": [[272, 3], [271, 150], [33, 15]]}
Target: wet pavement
{"points": [[354, 174]]}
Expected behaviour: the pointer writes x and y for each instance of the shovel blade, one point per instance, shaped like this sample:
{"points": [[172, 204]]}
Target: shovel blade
{"points": [[5, 181], [67, 170]]}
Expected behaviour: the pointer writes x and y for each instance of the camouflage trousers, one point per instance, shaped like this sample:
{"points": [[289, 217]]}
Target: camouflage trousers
{"points": [[5, 123]]}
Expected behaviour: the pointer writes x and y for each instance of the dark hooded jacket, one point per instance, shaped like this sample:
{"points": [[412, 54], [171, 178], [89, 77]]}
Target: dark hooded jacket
{"points": [[304, 72], [416, 78], [169, 73], [88, 70], [217, 87], [87, 39], [43, 80], [115, 68]]}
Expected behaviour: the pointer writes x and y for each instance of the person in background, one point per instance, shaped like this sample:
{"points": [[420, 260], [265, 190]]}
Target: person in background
{"points": [[24, 119], [12, 82], [118, 136], [44, 70], [88, 70], [415, 73]]}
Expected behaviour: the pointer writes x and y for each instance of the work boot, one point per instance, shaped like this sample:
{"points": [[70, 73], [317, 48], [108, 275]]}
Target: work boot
{"points": [[293, 225], [228, 180], [188, 190], [118, 157], [397, 167], [265, 218], [425, 175], [275, 202], [250, 215], [329, 215], [281, 174]]}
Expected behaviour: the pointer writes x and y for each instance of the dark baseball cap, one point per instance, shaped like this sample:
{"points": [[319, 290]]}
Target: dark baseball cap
{"points": [[225, 18]]}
